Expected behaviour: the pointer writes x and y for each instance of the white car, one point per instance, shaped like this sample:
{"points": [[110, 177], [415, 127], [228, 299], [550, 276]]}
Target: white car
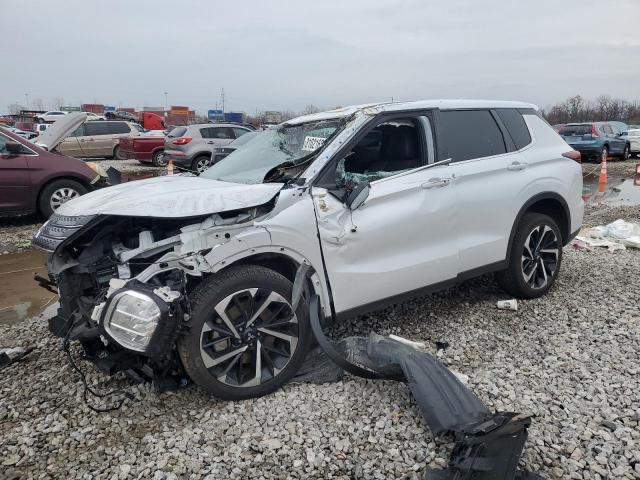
{"points": [[94, 116], [633, 137], [50, 116], [349, 210]]}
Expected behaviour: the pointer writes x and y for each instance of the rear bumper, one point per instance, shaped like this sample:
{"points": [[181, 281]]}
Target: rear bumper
{"points": [[178, 158], [587, 150]]}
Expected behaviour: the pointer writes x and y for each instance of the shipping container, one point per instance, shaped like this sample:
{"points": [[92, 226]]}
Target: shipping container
{"points": [[96, 108], [126, 109], [178, 108], [234, 117]]}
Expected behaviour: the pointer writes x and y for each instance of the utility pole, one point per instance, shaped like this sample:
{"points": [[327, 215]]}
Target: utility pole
{"points": [[166, 103], [222, 98], [26, 96]]}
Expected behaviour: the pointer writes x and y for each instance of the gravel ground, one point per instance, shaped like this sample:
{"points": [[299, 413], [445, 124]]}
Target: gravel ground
{"points": [[570, 358]]}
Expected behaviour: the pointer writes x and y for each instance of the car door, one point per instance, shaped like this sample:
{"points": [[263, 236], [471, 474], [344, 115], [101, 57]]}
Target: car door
{"points": [[490, 176], [617, 139], [403, 237], [74, 144], [117, 130], [15, 191]]}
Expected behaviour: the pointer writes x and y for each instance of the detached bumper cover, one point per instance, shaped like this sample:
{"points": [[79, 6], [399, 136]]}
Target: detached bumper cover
{"points": [[488, 445]]}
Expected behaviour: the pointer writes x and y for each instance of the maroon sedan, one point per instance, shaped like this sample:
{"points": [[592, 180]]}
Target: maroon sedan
{"points": [[33, 179]]}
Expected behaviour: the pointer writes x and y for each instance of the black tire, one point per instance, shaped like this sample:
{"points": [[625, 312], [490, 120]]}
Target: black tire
{"points": [[158, 159], [211, 294], [604, 153], [116, 153], [198, 160], [45, 200], [626, 153], [513, 279]]}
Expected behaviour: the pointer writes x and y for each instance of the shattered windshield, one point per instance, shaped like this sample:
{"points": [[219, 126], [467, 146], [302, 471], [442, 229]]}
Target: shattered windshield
{"points": [[287, 145]]}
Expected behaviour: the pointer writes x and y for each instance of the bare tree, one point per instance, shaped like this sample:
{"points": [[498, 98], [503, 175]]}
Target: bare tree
{"points": [[14, 108], [58, 103]]}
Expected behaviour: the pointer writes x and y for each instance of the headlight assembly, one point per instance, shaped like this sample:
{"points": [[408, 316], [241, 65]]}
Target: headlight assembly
{"points": [[139, 320]]}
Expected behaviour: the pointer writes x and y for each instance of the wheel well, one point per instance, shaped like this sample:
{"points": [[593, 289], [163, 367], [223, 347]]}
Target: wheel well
{"points": [[554, 209], [55, 179], [282, 264]]}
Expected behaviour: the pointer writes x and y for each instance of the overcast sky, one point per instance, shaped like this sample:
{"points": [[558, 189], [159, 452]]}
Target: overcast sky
{"points": [[283, 55]]}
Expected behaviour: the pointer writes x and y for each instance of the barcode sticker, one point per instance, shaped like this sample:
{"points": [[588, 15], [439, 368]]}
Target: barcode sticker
{"points": [[312, 143]]}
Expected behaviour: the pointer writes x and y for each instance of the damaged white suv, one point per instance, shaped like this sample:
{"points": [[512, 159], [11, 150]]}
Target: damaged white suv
{"points": [[353, 208]]}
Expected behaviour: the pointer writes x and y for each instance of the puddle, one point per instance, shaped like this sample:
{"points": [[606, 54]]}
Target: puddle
{"points": [[618, 191], [20, 295]]}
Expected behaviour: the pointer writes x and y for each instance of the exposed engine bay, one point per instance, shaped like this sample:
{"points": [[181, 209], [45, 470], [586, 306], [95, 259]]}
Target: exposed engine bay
{"points": [[125, 282]]}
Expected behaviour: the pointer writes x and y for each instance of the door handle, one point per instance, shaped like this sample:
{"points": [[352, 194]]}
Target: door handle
{"points": [[516, 166], [436, 182]]}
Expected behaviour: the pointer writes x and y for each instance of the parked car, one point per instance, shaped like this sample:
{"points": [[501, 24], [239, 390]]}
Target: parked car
{"points": [[98, 139], [122, 115], [346, 210], [596, 140], [22, 133], [633, 137], [35, 180], [221, 152], [50, 116], [191, 147], [94, 116], [145, 149], [38, 128]]}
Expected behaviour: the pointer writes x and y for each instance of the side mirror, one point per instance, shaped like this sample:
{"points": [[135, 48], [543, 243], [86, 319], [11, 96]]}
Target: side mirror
{"points": [[14, 148], [358, 196]]}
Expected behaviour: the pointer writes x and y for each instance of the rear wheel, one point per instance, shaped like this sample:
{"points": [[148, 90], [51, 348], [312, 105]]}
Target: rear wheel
{"points": [[116, 153], [244, 339], [159, 159], [58, 193], [200, 164], [535, 259]]}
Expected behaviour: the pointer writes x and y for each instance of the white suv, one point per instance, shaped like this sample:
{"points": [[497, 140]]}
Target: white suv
{"points": [[351, 209]]}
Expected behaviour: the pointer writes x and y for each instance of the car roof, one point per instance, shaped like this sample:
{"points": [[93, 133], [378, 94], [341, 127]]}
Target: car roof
{"points": [[199, 125], [374, 108]]}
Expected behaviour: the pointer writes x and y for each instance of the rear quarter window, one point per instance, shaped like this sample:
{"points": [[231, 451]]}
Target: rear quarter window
{"points": [[177, 132], [468, 134], [516, 126]]}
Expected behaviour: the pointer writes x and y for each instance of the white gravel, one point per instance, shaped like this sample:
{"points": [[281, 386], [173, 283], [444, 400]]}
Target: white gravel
{"points": [[571, 359]]}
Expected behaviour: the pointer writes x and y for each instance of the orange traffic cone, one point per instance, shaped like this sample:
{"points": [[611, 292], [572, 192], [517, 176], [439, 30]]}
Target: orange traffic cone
{"points": [[170, 167], [602, 180]]}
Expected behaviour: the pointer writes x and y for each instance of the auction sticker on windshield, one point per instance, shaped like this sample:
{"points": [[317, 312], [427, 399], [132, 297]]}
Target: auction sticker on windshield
{"points": [[312, 143]]}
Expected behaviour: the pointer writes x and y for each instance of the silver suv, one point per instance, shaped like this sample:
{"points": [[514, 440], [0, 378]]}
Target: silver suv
{"points": [[191, 147], [330, 215]]}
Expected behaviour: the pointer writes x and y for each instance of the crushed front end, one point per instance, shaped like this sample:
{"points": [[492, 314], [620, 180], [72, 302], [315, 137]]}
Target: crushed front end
{"points": [[123, 285]]}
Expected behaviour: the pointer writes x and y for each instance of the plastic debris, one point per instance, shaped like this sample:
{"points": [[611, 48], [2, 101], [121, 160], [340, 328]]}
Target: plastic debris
{"points": [[508, 305], [617, 235], [12, 355]]}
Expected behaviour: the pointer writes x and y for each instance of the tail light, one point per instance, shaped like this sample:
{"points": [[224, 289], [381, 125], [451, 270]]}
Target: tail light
{"points": [[594, 131], [182, 140], [573, 155]]}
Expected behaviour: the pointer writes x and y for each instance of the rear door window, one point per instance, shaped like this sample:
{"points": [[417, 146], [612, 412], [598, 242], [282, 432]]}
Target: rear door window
{"points": [[468, 134], [118, 128], [223, 133], [516, 126], [96, 128]]}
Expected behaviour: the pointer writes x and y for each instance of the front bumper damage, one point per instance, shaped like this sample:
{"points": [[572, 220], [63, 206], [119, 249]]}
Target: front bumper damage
{"points": [[488, 444]]}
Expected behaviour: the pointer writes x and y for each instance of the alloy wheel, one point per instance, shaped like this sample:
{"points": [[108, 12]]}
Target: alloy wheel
{"points": [[62, 195], [540, 256], [250, 338], [202, 164]]}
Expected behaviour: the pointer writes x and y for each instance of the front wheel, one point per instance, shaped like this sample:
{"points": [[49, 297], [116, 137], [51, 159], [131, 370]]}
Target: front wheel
{"points": [[200, 164], [536, 255], [244, 338], [626, 154], [58, 193]]}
